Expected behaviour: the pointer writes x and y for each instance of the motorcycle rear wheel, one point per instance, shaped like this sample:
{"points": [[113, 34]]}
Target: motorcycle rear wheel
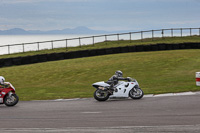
{"points": [[138, 94], [100, 95], [11, 100]]}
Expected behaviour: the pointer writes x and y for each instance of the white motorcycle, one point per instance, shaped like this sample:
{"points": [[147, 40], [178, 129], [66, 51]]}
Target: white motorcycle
{"points": [[121, 90]]}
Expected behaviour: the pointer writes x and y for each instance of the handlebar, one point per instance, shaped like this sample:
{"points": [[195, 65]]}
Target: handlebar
{"points": [[130, 79]]}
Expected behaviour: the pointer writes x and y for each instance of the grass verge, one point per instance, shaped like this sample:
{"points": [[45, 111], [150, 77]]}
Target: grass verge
{"points": [[156, 72]]}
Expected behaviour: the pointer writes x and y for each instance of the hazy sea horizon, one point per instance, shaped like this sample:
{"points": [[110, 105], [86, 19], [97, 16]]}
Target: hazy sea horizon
{"points": [[8, 42], [19, 40]]}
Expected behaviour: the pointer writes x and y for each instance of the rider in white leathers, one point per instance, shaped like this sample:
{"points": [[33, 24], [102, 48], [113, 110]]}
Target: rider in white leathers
{"points": [[3, 84]]}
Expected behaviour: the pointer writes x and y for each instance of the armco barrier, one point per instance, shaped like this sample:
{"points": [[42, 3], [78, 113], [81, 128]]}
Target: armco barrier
{"points": [[94, 52]]}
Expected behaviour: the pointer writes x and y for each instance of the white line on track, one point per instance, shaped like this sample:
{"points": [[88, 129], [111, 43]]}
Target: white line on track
{"points": [[149, 95], [91, 112], [120, 129]]}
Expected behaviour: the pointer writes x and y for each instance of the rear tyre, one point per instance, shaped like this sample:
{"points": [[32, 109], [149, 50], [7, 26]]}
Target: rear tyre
{"points": [[11, 100], [101, 95], [136, 94]]}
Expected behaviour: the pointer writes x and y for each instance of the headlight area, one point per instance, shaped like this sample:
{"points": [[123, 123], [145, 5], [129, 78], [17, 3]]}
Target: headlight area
{"points": [[3, 93]]}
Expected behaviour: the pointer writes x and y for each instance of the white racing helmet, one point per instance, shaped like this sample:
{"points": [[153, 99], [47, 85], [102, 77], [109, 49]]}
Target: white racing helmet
{"points": [[2, 80], [119, 73]]}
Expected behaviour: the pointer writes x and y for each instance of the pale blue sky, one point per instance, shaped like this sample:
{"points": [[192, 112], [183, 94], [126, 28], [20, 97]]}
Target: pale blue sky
{"points": [[110, 15]]}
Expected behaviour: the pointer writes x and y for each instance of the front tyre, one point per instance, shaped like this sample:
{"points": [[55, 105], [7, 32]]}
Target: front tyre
{"points": [[136, 93], [101, 95], [11, 100]]}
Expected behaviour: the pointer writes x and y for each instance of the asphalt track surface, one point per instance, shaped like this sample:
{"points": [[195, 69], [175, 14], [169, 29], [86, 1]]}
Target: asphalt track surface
{"points": [[163, 114]]}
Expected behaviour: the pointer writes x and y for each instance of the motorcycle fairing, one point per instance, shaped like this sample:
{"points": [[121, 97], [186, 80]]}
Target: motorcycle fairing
{"points": [[123, 89], [4, 92], [102, 83]]}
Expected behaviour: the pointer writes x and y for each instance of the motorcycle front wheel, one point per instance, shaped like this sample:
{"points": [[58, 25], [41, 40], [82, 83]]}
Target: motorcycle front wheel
{"points": [[11, 100], [138, 94], [100, 95]]}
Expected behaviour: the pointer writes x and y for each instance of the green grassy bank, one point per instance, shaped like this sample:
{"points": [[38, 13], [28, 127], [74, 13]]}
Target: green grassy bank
{"points": [[156, 72]]}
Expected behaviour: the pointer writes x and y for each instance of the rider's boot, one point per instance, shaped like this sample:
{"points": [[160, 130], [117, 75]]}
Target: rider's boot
{"points": [[111, 90]]}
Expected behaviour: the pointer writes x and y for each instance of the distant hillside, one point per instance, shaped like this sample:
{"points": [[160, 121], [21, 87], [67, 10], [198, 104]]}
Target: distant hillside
{"points": [[77, 30]]}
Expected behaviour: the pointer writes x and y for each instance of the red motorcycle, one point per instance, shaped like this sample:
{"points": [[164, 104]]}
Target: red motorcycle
{"points": [[8, 96]]}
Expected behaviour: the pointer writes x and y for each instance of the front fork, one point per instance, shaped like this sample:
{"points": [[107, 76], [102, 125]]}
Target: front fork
{"points": [[10, 93], [135, 88]]}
